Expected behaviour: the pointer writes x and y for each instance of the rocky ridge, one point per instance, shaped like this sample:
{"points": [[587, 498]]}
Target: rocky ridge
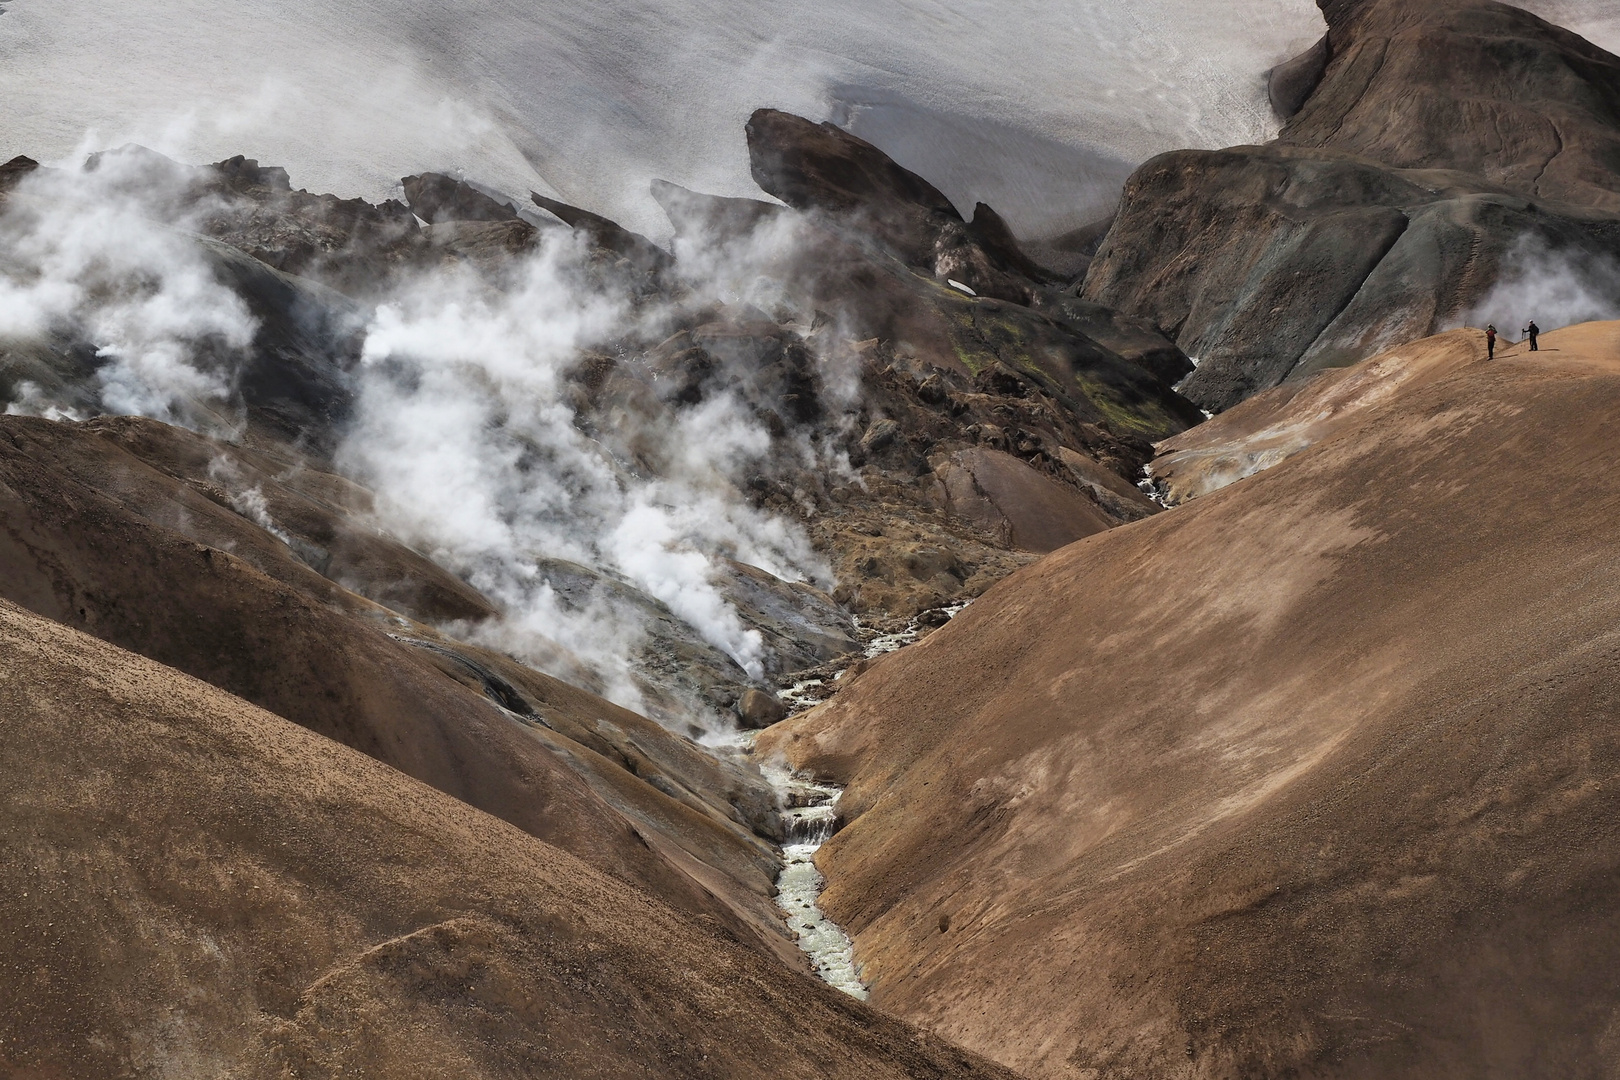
{"points": [[1423, 145]]}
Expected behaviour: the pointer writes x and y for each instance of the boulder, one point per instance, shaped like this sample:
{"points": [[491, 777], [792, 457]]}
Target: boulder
{"points": [[757, 709]]}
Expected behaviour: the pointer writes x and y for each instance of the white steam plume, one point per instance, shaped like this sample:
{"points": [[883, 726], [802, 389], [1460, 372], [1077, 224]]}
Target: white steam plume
{"points": [[467, 432], [1553, 287], [82, 252]]}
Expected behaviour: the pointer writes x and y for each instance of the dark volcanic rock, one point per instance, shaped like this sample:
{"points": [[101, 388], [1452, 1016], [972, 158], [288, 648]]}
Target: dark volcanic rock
{"points": [[1288, 85], [1470, 85], [820, 167], [434, 197], [1384, 211], [295, 382], [12, 172], [349, 244], [711, 218], [1286, 261], [1135, 339], [646, 256]]}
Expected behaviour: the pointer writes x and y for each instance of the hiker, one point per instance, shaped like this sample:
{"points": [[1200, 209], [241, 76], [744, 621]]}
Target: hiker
{"points": [[1532, 330], [1490, 342]]}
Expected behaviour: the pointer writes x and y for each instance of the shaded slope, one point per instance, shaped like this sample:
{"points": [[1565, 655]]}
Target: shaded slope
{"points": [[93, 536], [191, 886], [1311, 776]]}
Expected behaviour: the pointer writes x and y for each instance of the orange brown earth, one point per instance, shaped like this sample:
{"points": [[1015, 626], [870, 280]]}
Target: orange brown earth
{"points": [[191, 886], [1313, 776]]}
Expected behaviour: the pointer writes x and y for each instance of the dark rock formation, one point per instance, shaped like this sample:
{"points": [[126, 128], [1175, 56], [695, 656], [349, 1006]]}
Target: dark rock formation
{"points": [[1385, 209], [820, 167], [349, 244], [1469, 85], [1288, 85], [434, 197], [13, 171], [644, 255]]}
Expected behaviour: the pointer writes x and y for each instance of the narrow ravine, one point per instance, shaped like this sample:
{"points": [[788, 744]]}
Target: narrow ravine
{"points": [[809, 816]]}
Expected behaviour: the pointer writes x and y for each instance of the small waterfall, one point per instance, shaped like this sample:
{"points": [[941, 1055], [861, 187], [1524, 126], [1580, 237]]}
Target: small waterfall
{"points": [[809, 815], [809, 811]]}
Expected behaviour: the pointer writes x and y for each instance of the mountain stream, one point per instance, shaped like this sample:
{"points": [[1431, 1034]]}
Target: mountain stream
{"points": [[809, 816]]}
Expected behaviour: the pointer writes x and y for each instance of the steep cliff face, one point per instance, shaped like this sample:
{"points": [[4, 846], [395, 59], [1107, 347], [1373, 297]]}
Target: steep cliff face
{"points": [[1308, 776], [1437, 138]]}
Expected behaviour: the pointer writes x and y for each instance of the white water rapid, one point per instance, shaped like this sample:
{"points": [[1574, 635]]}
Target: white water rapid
{"points": [[809, 816]]}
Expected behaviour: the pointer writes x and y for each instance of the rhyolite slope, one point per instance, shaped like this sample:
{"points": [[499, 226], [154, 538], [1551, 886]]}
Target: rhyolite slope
{"points": [[191, 886], [1311, 776]]}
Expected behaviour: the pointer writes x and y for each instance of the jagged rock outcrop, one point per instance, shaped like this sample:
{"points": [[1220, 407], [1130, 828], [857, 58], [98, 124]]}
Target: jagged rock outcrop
{"points": [[644, 255], [1310, 776], [824, 168], [434, 197], [1386, 208], [936, 374], [191, 885]]}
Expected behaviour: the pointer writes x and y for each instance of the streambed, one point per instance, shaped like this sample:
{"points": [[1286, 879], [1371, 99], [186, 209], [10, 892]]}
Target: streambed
{"points": [[809, 816]]}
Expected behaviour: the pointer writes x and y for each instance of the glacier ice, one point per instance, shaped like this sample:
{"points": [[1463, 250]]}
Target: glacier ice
{"points": [[1039, 109]]}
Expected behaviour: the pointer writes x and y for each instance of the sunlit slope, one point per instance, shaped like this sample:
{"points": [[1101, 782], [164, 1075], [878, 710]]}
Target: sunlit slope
{"points": [[1313, 775], [1278, 423]]}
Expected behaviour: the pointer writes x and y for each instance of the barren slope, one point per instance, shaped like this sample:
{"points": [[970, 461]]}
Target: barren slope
{"points": [[191, 886], [95, 534], [1314, 775]]}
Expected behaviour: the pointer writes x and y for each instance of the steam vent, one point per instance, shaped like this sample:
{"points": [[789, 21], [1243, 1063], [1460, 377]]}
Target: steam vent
{"points": [[879, 540]]}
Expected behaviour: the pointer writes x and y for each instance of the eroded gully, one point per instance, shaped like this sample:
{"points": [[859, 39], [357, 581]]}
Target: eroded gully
{"points": [[809, 816]]}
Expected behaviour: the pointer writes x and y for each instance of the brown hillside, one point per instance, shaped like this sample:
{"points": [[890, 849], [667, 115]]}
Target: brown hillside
{"points": [[107, 527], [190, 886], [1313, 776]]}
